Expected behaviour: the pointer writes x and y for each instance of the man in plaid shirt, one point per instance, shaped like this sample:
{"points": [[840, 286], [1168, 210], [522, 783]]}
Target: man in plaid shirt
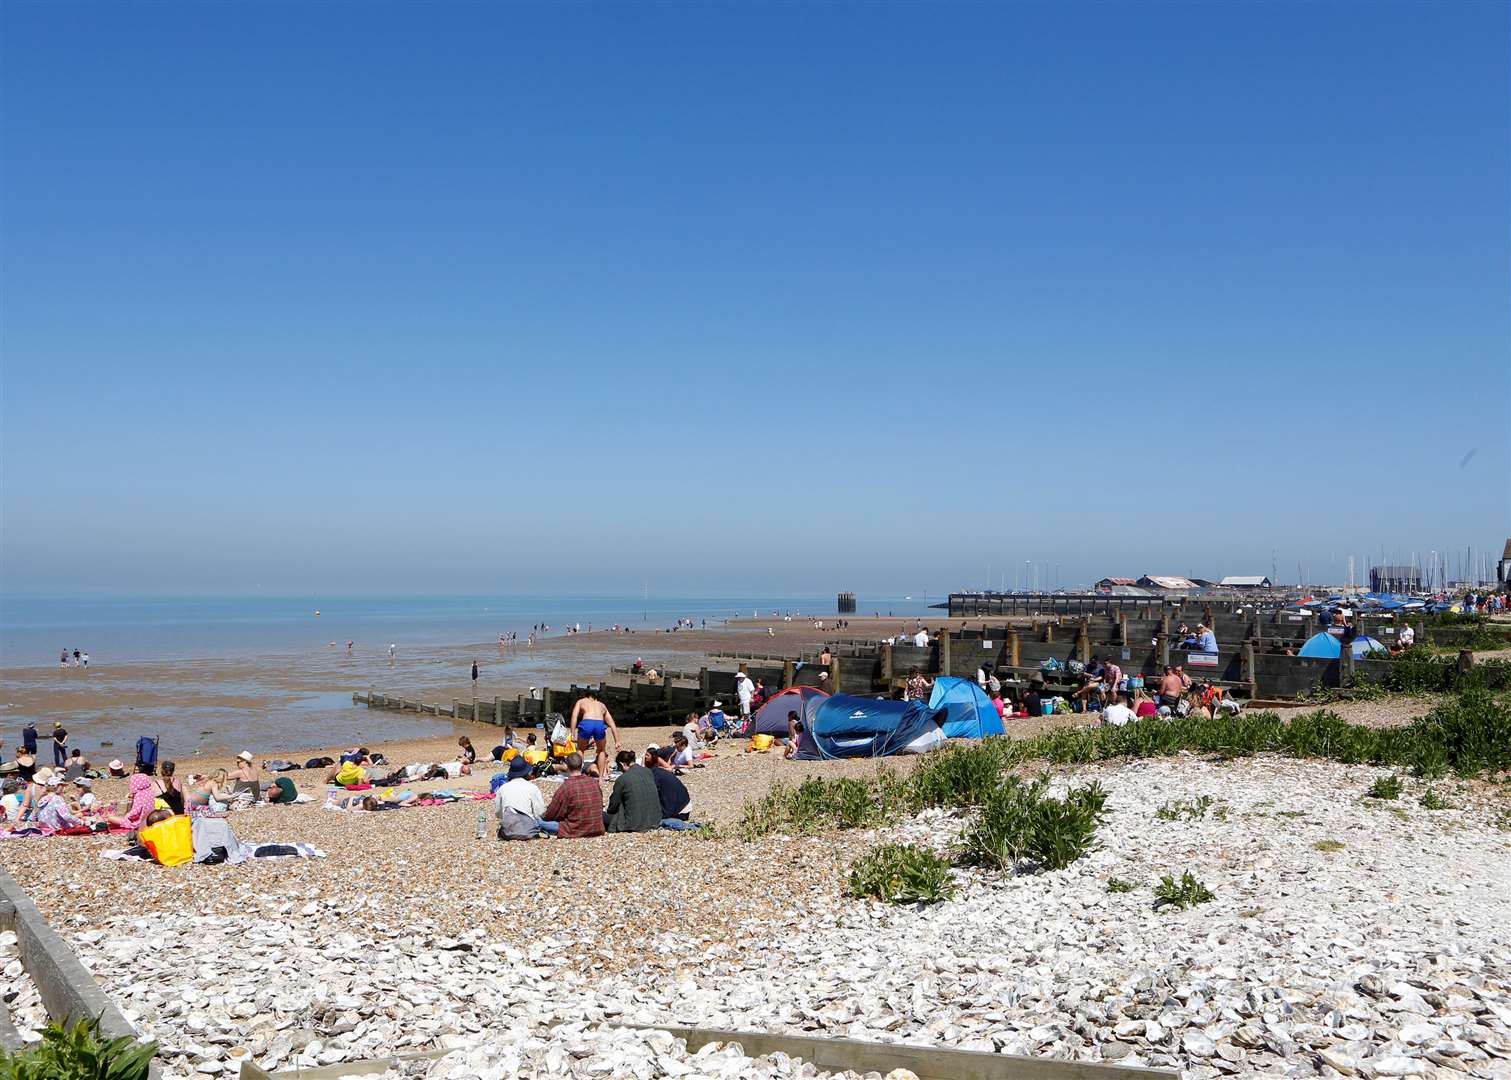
{"points": [[578, 804]]}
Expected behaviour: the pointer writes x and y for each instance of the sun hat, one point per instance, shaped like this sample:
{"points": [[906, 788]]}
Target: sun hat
{"points": [[42, 776], [518, 767], [245, 755], [24, 758], [57, 723], [718, 704]]}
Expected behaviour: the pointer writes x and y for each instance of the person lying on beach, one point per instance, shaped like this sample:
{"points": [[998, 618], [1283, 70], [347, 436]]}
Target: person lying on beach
{"points": [[347, 772], [281, 790]]}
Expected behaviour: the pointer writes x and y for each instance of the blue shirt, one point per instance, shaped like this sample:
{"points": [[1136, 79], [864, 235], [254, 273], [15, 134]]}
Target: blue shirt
{"points": [[1207, 642]]}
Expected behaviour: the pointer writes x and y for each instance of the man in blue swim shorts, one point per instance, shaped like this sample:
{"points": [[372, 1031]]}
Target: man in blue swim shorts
{"points": [[592, 721]]}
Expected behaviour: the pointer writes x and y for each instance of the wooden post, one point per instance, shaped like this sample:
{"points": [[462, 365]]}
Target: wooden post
{"points": [[789, 672], [1162, 642], [1466, 661], [1083, 641], [1250, 671], [545, 703], [1049, 631], [1123, 628], [834, 676], [944, 652], [886, 664], [1013, 648]]}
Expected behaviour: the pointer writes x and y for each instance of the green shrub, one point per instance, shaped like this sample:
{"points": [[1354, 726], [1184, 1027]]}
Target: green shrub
{"points": [[1019, 822], [901, 874], [1177, 809], [1118, 885], [1187, 892], [77, 1052], [1329, 845], [1431, 800], [958, 775], [1473, 731], [1385, 787]]}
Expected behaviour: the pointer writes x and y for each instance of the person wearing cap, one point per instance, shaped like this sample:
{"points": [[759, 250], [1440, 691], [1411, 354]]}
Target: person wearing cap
{"points": [[59, 744], [520, 806], [29, 738]]}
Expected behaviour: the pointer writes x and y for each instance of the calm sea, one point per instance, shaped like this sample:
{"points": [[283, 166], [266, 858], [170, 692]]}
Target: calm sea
{"points": [[33, 629]]}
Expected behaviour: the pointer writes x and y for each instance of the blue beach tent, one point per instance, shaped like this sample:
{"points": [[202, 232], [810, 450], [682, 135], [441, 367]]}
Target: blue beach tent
{"points": [[1325, 646], [971, 714], [844, 726]]}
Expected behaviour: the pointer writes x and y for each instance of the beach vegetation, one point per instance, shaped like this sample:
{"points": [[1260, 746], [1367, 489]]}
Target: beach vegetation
{"points": [[1119, 885], [1385, 787], [901, 874], [1181, 894], [1329, 845], [1184, 810], [78, 1052], [1431, 800], [1018, 822]]}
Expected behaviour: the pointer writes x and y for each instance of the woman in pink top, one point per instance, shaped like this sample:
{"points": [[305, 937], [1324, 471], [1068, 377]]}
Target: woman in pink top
{"points": [[142, 797]]}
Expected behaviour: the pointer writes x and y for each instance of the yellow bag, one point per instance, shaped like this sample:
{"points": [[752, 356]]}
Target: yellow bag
{"points": [[171, 841], [510, 754], [535, 757], [761, 742], [563, 749]]}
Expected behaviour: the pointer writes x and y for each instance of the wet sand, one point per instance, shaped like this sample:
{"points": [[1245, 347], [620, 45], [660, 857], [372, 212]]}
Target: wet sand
{"points": [[302, 700]]}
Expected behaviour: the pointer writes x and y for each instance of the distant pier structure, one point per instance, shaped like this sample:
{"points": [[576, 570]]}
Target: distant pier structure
{"points": [[846, 603]]}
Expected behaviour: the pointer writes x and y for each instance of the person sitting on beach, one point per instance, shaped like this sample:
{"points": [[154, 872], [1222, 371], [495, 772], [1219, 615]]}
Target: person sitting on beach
{"points": [[246, 769], [1117, 713], [1143, 705], [55, 814], [116, 769], [577, 806], [634, 803], [1172, 687], [682, 751], [592, 721], [998, 704], [346, 773], [77, 765], [205, 792], [520, 805], [713, 724], [468, 755], [692, 730], [675, 799], [168, 789], [142, 799], [1033, 697], [31, 798], [918, 686]]}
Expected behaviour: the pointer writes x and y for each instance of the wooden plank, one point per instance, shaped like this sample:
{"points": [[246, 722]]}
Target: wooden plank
{"points": [[929, 1063]]}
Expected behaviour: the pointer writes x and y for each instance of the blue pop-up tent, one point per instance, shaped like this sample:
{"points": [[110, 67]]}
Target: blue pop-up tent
{"points": [[844, 726], [1325, 646], [970, 713]]}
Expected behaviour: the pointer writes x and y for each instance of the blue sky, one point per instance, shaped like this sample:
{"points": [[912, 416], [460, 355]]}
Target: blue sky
{"points": [[747, 297]]}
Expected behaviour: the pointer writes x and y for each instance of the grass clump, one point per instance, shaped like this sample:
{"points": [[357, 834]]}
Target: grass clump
{"points": [[77, 1052], [1187, 892], [1181, 809], [1385, 787], [1118, 885], [1329, 845], [1431, 800], [901, 874], [958, 776], [1019, 822]]}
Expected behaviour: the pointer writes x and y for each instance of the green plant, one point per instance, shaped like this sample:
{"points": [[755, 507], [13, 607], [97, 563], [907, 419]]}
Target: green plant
{"points": [[1385, 787], [77, 1052], [1431, 800], [1179, 809], [1187, 892], [901, 874], [1118, 885], [958, 775], [1018, 821], [1329, 845]]}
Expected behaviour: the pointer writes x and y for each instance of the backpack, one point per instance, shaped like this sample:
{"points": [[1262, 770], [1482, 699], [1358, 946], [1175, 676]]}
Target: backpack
{"points": [[146, 751], [517, 826], [1050, 665], [1075, 667]]}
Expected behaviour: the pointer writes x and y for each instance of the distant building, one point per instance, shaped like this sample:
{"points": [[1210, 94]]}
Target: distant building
{"points": [[1242, 581], [1394, 579], [1108, 583], [1167, 584], [1503, 568]]}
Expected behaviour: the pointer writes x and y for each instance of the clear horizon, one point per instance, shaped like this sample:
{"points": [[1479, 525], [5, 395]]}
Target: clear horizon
{"points": [[456, 299]]}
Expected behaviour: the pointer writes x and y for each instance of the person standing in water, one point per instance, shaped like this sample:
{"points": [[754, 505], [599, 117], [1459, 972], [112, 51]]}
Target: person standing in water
{"points": [[592, 718], [391, 648]]}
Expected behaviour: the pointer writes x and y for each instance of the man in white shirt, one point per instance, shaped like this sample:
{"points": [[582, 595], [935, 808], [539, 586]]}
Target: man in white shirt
{"points": [[519, 795], [1118, 713], [1407, 637], [921, 639], [745, 691]]}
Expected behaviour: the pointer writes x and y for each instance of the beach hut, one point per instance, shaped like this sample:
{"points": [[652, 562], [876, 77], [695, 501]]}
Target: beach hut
{"points": [[969, 713], [771, 718], [844, 726], [1325, 646]]}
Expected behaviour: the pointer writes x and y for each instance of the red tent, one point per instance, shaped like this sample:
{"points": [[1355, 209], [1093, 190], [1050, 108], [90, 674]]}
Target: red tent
{"points": [[771, 718]]}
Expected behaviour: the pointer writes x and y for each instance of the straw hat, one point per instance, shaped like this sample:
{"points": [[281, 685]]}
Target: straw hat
{"points": [[42, 775], [245, 755]]}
